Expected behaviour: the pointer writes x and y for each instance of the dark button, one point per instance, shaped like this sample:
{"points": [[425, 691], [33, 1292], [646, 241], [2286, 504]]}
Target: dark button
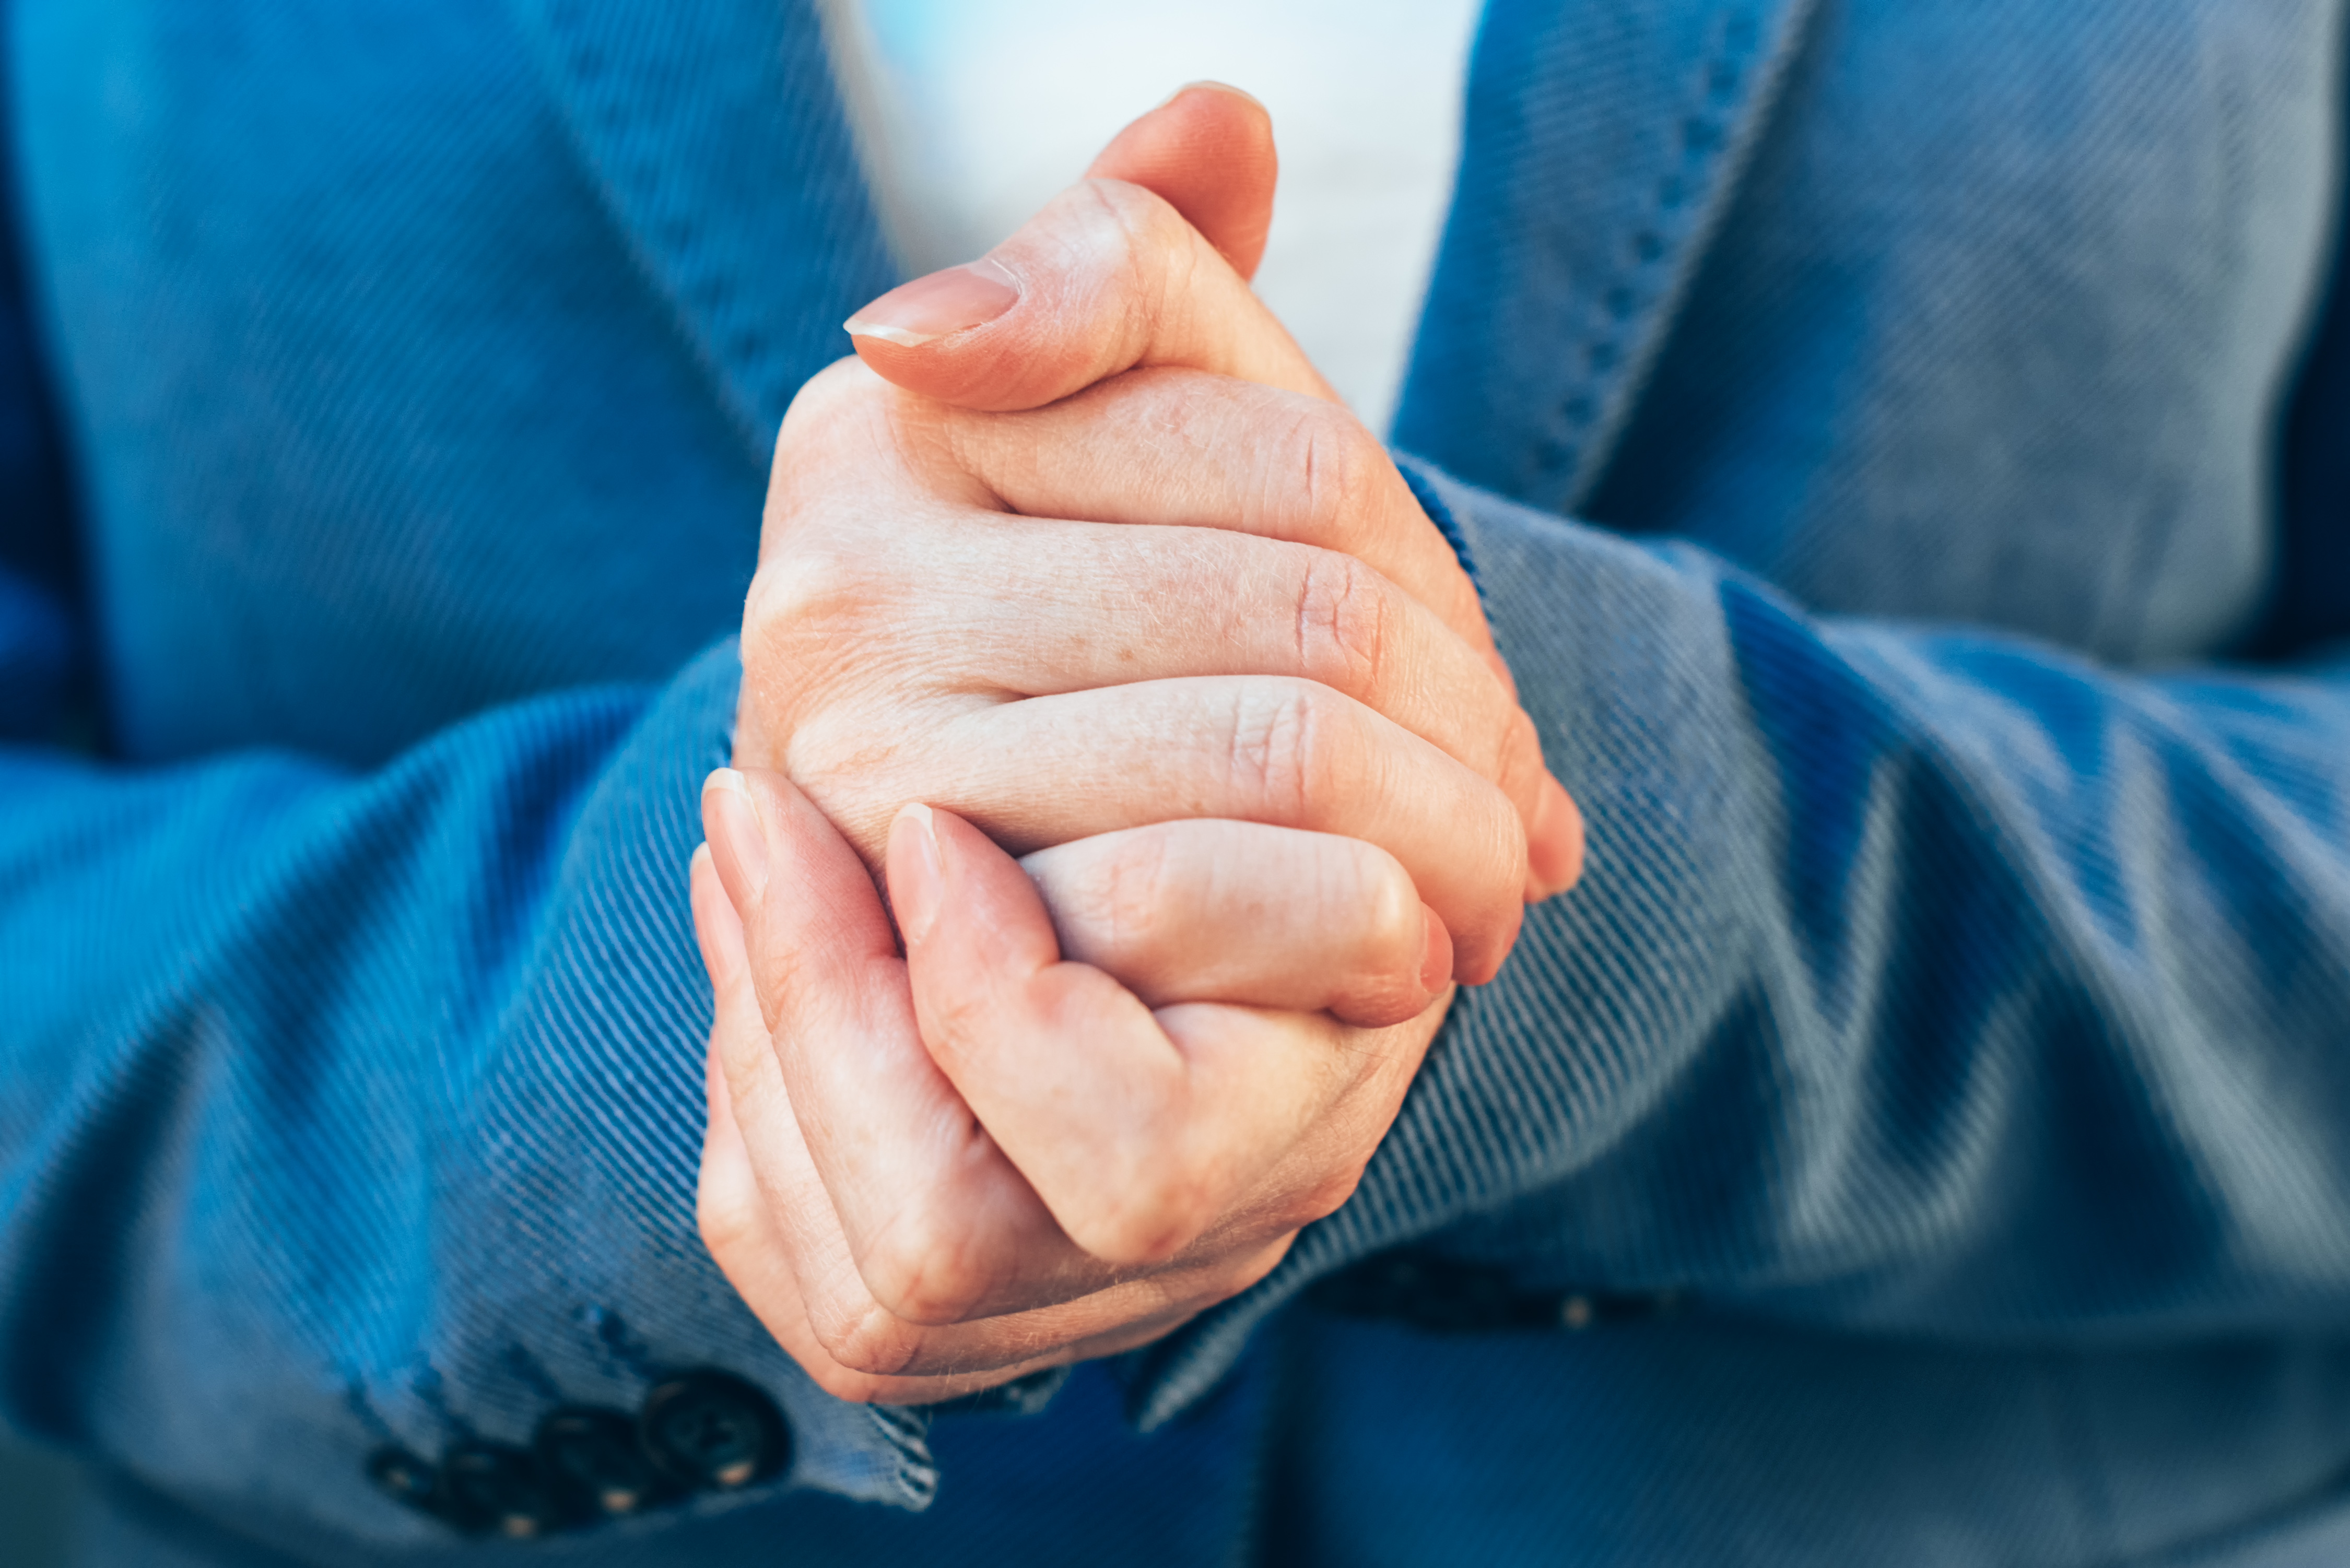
{"points": [[1579, 1310], [1434, 1295], [710, 1430], [491, 1488], [595, 1464], [406, 1478]]}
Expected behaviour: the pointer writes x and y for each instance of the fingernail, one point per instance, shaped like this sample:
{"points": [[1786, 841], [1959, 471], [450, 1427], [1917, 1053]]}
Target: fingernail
{"points": [[916, 878], [1436, 957], [932, 307], [736, 838], [718, 925]]}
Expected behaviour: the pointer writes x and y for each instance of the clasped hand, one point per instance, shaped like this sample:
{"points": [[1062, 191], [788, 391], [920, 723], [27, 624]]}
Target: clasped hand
{"points": [[1080, 561]]}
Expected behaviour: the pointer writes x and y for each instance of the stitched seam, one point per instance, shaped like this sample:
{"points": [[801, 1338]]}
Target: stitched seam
{"points": [[2143, 574], [1629, 301], [726, 324], [563, 31]]}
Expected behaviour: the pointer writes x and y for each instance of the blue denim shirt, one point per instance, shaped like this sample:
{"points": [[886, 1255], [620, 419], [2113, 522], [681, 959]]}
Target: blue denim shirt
{"points": [[1902, 445]]}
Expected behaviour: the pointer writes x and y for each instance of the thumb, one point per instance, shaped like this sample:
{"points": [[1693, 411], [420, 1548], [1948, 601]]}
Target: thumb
{"points": [[1208, 153], [1142, 263]]}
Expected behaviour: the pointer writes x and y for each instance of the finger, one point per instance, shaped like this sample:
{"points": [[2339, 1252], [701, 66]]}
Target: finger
{"points": [[1274, 750], [731, 1209], [839, 596], [1239, 912], [1179, 447], [735, 1213], [1269, 608], [903, 1216], [852, 1343], [934, 1216], [1142, 1136], [736, 1218], [1172, 446], [1207, 151], [1108, 277], [768, 1218]]}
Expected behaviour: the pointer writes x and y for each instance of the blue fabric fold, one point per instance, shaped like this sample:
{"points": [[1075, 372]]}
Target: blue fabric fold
{"points": [[1965, 953]]}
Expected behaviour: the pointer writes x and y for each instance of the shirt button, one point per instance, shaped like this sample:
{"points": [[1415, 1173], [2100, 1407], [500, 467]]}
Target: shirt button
{"points": [[405, 1477], [709, 1431], [593, 1461], [489, 1487]]}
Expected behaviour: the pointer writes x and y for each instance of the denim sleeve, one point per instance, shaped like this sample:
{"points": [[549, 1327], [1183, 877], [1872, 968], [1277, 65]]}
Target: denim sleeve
{"points": [[341, 1109], [1920, 980]]}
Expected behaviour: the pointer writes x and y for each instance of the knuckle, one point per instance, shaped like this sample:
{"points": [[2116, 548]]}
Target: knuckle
{"points": [[1250, 1268], [1493, 835], [933, 1278], [1123, 905], [1155, 1224], [1143, 1206], [846, 378], [1363, 892], [1141, 246], [1320, 1200], [846, 426], [1338, 465], [851, 1387], [1277, 749], [860, 1336], [728, 1229], [812, 583], [1509, 841], [1343, 618], [1149, 227], [808, 623], [820, 397], [845, 393]]}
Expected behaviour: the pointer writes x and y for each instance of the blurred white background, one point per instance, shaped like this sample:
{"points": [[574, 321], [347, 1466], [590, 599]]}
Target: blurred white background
{"points": [[975, 112]]}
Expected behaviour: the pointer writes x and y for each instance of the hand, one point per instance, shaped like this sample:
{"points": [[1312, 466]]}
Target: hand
{"points": [[924, 627], [1102, 1194], [945, 1170]]}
